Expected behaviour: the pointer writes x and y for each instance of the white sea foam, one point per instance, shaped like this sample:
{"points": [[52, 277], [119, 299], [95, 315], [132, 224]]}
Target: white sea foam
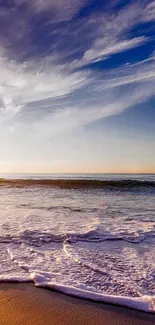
{"points": [[18, 279], [90, 243], [143, 303], [65, 280]]}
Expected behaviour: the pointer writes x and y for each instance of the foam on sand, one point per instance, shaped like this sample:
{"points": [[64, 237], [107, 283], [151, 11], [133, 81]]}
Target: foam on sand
{"points": [[41, 280], [144, 303], [25, 304]]}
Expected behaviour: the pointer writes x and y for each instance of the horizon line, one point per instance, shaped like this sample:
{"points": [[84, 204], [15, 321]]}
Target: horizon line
{"points": [[76, 173]]}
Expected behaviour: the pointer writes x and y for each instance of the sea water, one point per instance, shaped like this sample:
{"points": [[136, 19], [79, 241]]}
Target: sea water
{"points": [[91, 236]]}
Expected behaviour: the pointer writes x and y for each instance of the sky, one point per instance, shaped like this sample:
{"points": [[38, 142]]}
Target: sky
{"points": [[77, 86]]}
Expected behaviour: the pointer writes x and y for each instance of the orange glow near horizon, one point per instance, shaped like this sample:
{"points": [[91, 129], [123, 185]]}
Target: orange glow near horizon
{"points": [[73, 168]]}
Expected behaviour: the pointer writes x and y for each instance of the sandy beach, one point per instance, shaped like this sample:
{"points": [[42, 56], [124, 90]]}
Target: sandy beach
{"points": [[22, 304]]}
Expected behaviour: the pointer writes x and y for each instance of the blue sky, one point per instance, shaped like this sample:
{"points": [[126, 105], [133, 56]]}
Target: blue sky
{"points": [[77, 86]]}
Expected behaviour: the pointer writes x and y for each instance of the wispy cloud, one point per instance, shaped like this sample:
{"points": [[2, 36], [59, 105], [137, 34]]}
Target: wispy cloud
{"points": [[113, 32], [99, 52], [70, 118], [149, 12], [67, 68], [67, 99], [30, 82], [46, 79], [59, 10], [141, 72]]}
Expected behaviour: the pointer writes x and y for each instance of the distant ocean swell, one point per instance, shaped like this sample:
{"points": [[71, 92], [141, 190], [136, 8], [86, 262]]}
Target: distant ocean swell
{"points": [[80, 183]]}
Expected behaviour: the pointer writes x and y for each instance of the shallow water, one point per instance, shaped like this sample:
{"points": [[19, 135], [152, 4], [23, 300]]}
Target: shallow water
{"points": [[94, 241]]}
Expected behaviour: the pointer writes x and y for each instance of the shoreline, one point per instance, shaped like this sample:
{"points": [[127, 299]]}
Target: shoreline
{"points": [[140, 304], [23, 303]]}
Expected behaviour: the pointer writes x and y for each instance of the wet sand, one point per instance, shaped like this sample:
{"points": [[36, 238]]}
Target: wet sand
{"points": [[24, 304]]}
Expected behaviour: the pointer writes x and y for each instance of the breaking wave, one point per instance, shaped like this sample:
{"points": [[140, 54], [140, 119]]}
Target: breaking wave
{"points": [[22, 255], [38, 238], [80, 183], [144, 303]]}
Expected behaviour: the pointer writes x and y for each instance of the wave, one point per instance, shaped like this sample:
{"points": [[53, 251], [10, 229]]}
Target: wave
{"points": [[79, 183], [144, 303], [44, 279], [55, 207], [38, 238]]}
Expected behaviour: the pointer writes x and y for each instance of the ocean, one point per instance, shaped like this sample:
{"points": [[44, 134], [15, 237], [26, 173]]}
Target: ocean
{"points": [[90, 236]]}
